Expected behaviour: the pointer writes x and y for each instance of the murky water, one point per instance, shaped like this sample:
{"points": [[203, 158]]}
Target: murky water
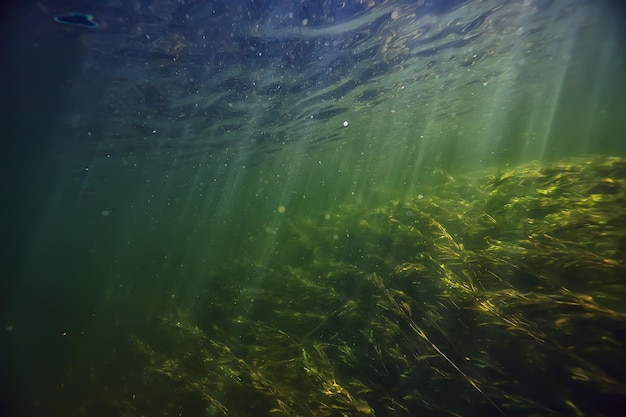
{"points": [[320, 208]]}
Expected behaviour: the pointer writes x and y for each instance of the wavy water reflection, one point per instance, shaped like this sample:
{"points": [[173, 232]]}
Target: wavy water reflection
{"points": [[294, 67]]}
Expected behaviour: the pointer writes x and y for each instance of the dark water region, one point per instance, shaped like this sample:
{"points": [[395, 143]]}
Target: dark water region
{"points": [[313, 208]]}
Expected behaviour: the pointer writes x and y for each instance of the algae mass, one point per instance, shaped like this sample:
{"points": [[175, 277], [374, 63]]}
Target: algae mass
{"points": [[494, 294]]}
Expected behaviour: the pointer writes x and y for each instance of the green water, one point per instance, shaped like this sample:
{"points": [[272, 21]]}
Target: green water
{"points": [[392, 209]]}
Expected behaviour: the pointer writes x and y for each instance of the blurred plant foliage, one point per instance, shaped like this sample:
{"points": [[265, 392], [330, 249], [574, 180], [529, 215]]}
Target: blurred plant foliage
{"points": [[497, 294]]}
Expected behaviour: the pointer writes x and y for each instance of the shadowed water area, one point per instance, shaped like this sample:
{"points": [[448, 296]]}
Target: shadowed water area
{"points": [[313, 208]]}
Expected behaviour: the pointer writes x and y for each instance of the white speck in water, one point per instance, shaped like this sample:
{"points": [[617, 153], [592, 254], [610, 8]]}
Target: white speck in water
{"points": [[346, 123]]}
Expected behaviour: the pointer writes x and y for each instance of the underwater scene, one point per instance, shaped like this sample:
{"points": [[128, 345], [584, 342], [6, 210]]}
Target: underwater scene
{"points": [[321, 208]]}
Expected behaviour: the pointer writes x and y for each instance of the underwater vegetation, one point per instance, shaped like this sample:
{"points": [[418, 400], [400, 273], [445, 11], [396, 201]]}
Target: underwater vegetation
{"points": [[498, 294]]}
